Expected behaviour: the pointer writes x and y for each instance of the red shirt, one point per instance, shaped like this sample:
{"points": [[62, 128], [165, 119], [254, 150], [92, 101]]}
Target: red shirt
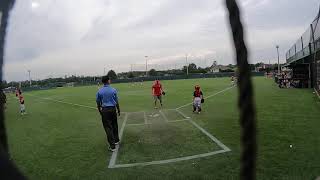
{"points": [[157, 89], [21, 99]]}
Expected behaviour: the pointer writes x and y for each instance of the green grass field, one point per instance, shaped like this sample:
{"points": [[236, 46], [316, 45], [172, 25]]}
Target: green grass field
{"points": [[62, 136]]}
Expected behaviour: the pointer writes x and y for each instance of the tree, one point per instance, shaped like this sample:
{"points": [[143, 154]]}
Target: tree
{"points": [[112, 75], [192, 67], [130, 75], [153, 72], [215, 63]]}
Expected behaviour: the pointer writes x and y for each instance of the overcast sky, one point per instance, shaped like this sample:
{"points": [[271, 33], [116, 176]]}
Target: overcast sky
{"points": [[53, 38]]}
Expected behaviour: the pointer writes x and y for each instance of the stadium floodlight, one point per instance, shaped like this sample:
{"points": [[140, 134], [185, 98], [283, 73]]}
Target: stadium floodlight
{"points": [[187, 64], [146, 65], [29, 71], [277, 46]]}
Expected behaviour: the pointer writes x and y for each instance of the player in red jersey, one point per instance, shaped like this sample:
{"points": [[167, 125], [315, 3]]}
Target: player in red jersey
{"points": [[157, 93], [197, 99], [22, 106]]}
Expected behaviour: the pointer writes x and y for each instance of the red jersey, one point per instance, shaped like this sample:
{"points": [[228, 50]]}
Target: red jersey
{"points": [[21, 99], [157, 89]]}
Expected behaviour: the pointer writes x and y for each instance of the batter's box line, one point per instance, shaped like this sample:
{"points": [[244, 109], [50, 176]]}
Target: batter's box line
{"points": [[224, 149], [171, 121]]}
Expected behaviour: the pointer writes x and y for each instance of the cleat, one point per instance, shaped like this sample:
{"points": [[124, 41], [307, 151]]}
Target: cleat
{"points": [[112, 149]]}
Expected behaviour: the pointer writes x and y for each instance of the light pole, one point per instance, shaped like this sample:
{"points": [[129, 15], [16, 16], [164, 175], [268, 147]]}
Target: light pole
{"points": [[146, 65], [278, 59], [187, 64], [29, 71]]}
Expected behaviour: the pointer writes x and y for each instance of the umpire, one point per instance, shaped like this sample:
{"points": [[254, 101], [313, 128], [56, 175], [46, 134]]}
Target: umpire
{"points": [[108, 105]]}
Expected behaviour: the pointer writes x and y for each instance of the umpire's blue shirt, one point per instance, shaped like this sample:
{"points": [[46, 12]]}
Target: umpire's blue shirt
{"points": [[107, 96]]}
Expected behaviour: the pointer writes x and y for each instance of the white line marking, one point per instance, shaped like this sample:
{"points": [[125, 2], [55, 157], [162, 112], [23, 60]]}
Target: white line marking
{"points": [[171, 121], [164, 116], [74, 104], [182, 114], [224, 147], [145, 118], [169, 160], [114, 155], [207, 97], [317, 93], [180, 120], [138, 124], [63, 102], [112, 162]]}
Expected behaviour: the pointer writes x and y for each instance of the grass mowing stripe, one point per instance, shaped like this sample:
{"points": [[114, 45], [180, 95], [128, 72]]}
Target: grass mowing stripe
{"points": [[114, 155]]}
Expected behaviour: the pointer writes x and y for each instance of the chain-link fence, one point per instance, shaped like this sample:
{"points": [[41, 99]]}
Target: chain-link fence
{"points": [[307, 47]]}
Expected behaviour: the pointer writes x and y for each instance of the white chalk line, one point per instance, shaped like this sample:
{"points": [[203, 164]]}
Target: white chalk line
{"points": [[208, 96], [171, 121], [145, 118], [73, 104], [182, 114], [317, 93], [179, 120], [63, 102], [169, 160], [138, 124], [114, 155], [163, 116], [214, 139], [112, 162]]}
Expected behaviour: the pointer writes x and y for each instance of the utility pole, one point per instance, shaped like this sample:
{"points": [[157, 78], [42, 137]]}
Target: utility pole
{"points": [[278, 59], [29, 71], [187, 64], [146, 65]]}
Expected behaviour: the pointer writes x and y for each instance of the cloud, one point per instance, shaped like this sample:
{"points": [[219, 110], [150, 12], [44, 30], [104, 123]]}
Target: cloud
{"points": [[55, 38]]}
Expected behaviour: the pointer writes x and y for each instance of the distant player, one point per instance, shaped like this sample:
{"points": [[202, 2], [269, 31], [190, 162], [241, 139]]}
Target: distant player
{"points": [[18, 92], [197, 99], [157, 93], [22, 106], [232, 80]]}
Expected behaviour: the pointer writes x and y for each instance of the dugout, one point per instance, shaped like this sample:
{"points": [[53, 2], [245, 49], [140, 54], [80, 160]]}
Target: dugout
{"points": [[301, 73], [304, 56]]}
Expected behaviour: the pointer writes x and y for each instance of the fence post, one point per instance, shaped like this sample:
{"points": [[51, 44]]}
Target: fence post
{"points": [[302, 46], [312, 38]]}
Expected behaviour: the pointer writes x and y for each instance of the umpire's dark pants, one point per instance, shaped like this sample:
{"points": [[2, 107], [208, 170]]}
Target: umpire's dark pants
{"points": [[110, 124]]}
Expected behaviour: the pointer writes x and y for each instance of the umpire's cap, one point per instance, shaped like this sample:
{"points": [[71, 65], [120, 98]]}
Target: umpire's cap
{"points": [[105, 79]]}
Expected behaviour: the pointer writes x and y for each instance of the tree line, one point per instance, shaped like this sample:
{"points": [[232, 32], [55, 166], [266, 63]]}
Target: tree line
{"points": [[83, 80]]}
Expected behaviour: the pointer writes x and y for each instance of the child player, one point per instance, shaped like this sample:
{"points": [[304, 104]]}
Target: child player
{"points": [[157, 93], [197, 99], [232, 80], [22, 106]]}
